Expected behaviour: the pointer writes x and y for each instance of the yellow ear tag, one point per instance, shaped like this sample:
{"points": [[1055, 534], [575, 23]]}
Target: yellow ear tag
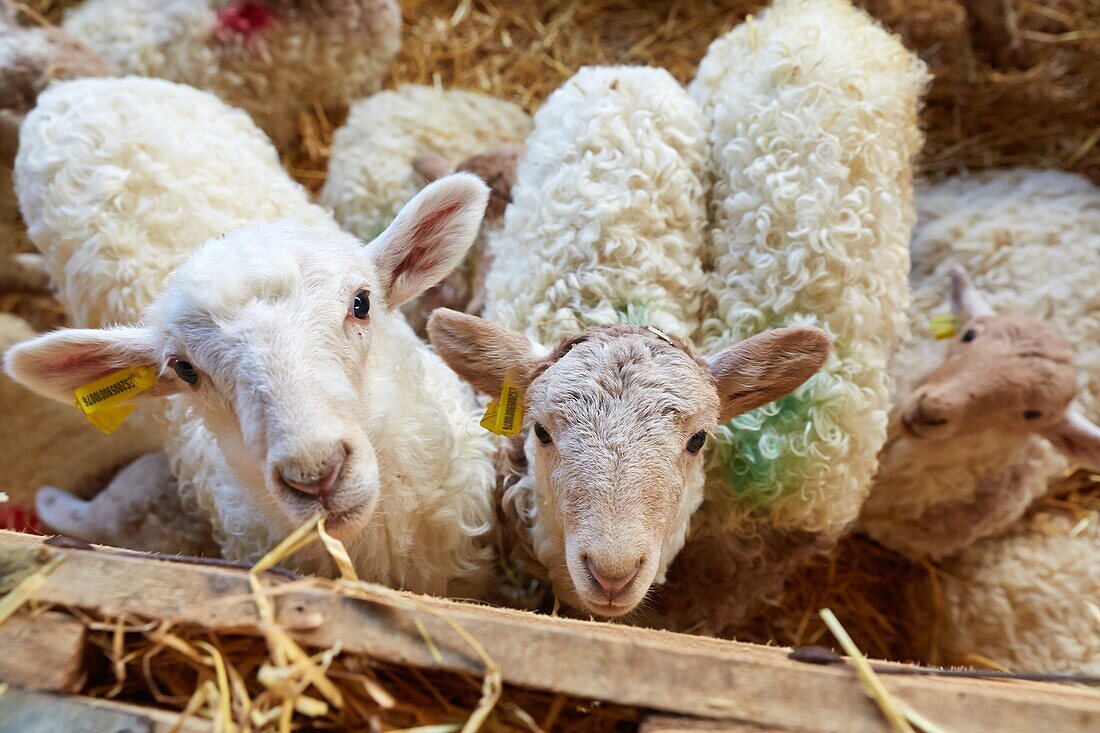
{"points": [[106, 402], [943, 327], [504, 415]]}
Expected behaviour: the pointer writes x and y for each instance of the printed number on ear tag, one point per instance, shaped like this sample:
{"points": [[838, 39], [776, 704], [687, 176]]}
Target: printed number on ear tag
{"points": [[943, 327], [106, 402], [504, 415]]}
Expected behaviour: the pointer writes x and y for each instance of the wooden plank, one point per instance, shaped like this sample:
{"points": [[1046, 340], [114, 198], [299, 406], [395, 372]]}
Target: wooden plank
{"points": [[645, 668], [677, 724], [22, 711], [43, 651]]}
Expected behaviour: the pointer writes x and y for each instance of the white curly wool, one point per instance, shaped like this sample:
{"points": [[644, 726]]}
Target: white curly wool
{"points": [[813, 109], [120, 179], [1030, 240], [273, 58], [370, 174], [607, 214], [45, 443], [1028, 600]]}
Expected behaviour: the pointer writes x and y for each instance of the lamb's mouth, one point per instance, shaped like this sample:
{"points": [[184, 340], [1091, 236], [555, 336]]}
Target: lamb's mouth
{"points": [[342, 519], [908, 428], [612, 609]]}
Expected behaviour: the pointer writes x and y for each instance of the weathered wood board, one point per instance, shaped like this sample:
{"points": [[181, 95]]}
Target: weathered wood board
{"points": [[23, 711], [44, 651], [649, 669]]}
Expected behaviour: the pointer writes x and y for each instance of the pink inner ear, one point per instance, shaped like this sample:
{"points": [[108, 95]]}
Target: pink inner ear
{"points": [[425, 251], [87, 364]]}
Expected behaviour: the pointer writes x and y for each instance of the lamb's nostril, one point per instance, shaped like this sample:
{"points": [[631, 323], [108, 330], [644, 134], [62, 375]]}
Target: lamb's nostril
{"points": [[611, 583], [318, 484]]}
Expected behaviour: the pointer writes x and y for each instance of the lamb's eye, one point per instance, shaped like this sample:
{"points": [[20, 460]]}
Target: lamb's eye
{"points": [[1032, 414], [697, 441], [185, 370], [542, 435], [970, 335], [360, 307]]}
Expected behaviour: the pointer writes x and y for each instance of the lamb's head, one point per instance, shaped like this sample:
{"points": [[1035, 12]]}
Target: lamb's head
{"points": [[497, 167], [615, 423], [1007, 374], [276, 335]]}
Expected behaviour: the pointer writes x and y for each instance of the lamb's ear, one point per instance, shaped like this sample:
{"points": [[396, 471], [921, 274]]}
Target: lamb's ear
{"points": [[481, 352], [432, 166], [56, 364], [1078, 439], [766, 367], [967, 302], [429, 237]]}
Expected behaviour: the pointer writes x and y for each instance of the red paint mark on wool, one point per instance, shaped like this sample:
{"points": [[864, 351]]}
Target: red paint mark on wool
{"points": [[19, 518], [243, 21]]}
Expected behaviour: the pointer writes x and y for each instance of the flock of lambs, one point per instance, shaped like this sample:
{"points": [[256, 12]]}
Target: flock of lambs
{"points": [[713, 303]]}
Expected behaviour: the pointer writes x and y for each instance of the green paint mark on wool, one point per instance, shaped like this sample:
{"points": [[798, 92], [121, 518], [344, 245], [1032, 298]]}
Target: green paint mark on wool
{"points": [[635, 313], [764, 454]]}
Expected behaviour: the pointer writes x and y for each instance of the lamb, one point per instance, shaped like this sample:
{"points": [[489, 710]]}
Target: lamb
{"points": [[607, 215], [1026, 235], [43, 443], [601, 484], [966, 455], [396, 141], [1026, 599], [814, 129], [294, 386], [605, 227], [298, 391], [30, 58], [273, 58]]}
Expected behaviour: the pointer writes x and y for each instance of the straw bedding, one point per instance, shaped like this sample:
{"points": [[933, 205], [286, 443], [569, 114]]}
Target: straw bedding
{"points": [[1016, 83]]}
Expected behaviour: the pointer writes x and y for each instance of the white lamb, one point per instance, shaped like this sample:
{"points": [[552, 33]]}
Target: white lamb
{"points": [[977, 439], [606, 226], [607, 215], [814, 128], [298, 388], [273, 58], [396, 141]]}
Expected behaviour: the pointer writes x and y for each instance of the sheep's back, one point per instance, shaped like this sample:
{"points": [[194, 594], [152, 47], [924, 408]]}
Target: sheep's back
{"points": [[328, 51], [119, 180], [1026, 600], [607, 214], [813, 110]]}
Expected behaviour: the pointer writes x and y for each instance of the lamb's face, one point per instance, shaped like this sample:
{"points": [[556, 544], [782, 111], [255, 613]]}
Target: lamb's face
{"points": [[1006, 374], [270, 331], [618, 424], [616, 421], [1009, 373]]}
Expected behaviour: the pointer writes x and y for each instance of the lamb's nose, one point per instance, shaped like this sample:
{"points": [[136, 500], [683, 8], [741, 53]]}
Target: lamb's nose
{"points": [[611, 583], [318, 483], [928, 412]]}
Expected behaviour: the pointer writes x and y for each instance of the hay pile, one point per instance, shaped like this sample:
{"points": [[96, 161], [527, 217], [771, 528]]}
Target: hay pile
{"points": [[1017, 82]]}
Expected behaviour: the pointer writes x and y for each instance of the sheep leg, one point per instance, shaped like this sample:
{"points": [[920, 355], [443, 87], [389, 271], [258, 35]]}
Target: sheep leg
{"points": [[140, 509]]}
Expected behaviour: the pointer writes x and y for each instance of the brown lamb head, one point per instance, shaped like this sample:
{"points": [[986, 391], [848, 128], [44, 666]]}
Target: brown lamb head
{"points": [[1005, 373]]}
